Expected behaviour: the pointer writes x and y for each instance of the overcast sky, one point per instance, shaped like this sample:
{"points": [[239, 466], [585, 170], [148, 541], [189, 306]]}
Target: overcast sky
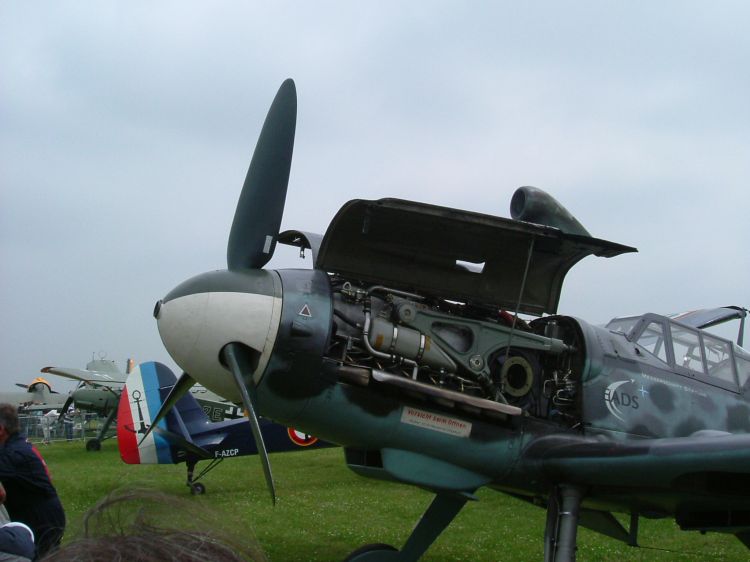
{"points": [[126, 130]]}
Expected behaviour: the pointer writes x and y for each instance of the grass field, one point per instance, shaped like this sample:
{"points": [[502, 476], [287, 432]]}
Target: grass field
{"points": [[324, 511]]}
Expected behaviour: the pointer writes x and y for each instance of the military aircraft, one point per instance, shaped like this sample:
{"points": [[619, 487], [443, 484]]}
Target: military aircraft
{"points": [[187, 434], [36, 396], [404, 344], [100, 385], [98, 391]]}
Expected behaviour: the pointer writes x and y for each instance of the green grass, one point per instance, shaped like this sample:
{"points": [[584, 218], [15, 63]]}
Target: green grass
{"points": [[325, 511]]}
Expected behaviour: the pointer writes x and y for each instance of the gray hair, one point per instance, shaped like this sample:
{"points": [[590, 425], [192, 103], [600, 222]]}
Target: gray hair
{"points": [[147, 525], [9, 417]]}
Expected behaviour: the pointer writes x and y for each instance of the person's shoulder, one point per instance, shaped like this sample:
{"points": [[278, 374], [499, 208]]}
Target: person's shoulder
{"points": [[18, 440], [16, 539], [16, 444]]}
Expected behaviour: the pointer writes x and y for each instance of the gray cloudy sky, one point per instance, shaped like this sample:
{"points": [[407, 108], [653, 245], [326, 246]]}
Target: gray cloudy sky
{"points": [[126, 130]]}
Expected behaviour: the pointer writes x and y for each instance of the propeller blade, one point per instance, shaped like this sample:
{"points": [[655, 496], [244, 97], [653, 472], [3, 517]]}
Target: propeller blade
{"points": [[231, 354], [257, 219], [64, 410], [183, 384]]}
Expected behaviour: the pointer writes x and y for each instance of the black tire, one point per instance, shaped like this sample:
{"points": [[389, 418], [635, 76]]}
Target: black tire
{"points": [[197, 489], [93, 445], [374, 547]]}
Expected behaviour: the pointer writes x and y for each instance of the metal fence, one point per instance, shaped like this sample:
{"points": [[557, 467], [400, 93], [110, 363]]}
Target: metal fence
{"points": [[81, 427]]}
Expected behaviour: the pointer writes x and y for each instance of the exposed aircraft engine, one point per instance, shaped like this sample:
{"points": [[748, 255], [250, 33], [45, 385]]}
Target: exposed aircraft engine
{"points": [[421, 294], [479, 352]]}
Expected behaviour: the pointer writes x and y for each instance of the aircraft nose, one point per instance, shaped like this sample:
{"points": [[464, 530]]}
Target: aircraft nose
{"points": [[204, 314]]}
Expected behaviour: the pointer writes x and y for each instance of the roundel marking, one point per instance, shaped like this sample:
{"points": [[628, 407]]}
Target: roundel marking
{"points": [[300, 438]]}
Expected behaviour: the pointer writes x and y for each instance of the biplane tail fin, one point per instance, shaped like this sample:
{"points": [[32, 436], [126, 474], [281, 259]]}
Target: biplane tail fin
{"points": [[147, 385]]}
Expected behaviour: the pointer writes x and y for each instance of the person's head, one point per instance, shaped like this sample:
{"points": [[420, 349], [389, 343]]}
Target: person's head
{"points": [[148, 525], [8, 421]]}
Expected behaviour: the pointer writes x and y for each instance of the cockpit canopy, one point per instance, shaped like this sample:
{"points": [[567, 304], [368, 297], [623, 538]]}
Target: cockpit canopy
{"points": [[682, 342]]}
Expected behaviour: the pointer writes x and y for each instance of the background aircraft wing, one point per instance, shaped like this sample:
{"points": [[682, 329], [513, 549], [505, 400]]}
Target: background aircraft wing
{"points": [[96, 378]]}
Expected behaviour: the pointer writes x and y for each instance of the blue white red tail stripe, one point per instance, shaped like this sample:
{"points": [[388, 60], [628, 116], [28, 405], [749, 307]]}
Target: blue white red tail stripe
{"points": [[139, 403]]}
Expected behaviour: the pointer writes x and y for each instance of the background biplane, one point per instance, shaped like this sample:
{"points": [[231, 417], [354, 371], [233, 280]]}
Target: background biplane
{"points": [[187, 434]]}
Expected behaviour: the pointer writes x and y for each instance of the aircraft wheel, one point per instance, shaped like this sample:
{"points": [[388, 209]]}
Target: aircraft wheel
{"points": [[376, 552], [197, 489], [93, 445]]}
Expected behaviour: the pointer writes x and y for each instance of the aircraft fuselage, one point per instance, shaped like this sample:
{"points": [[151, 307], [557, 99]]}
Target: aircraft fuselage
{"points": [[303, 332]]}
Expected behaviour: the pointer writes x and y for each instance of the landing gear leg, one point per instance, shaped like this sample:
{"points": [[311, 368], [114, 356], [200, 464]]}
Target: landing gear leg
{"points": [[563, 511], [196, 488], [438, 516], [96, 443]]}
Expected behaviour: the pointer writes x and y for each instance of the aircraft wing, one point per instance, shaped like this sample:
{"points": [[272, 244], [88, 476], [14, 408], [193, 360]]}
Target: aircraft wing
{"points": [[42, 407], [709, 317], [96, 378], [703, 463]]}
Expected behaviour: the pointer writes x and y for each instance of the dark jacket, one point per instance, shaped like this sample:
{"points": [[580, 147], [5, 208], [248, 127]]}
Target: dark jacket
{"points": [[31, 497]]}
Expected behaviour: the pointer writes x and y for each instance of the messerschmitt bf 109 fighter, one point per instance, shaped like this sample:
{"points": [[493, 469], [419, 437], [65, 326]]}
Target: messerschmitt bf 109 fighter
{"points": [[399, 346]]}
